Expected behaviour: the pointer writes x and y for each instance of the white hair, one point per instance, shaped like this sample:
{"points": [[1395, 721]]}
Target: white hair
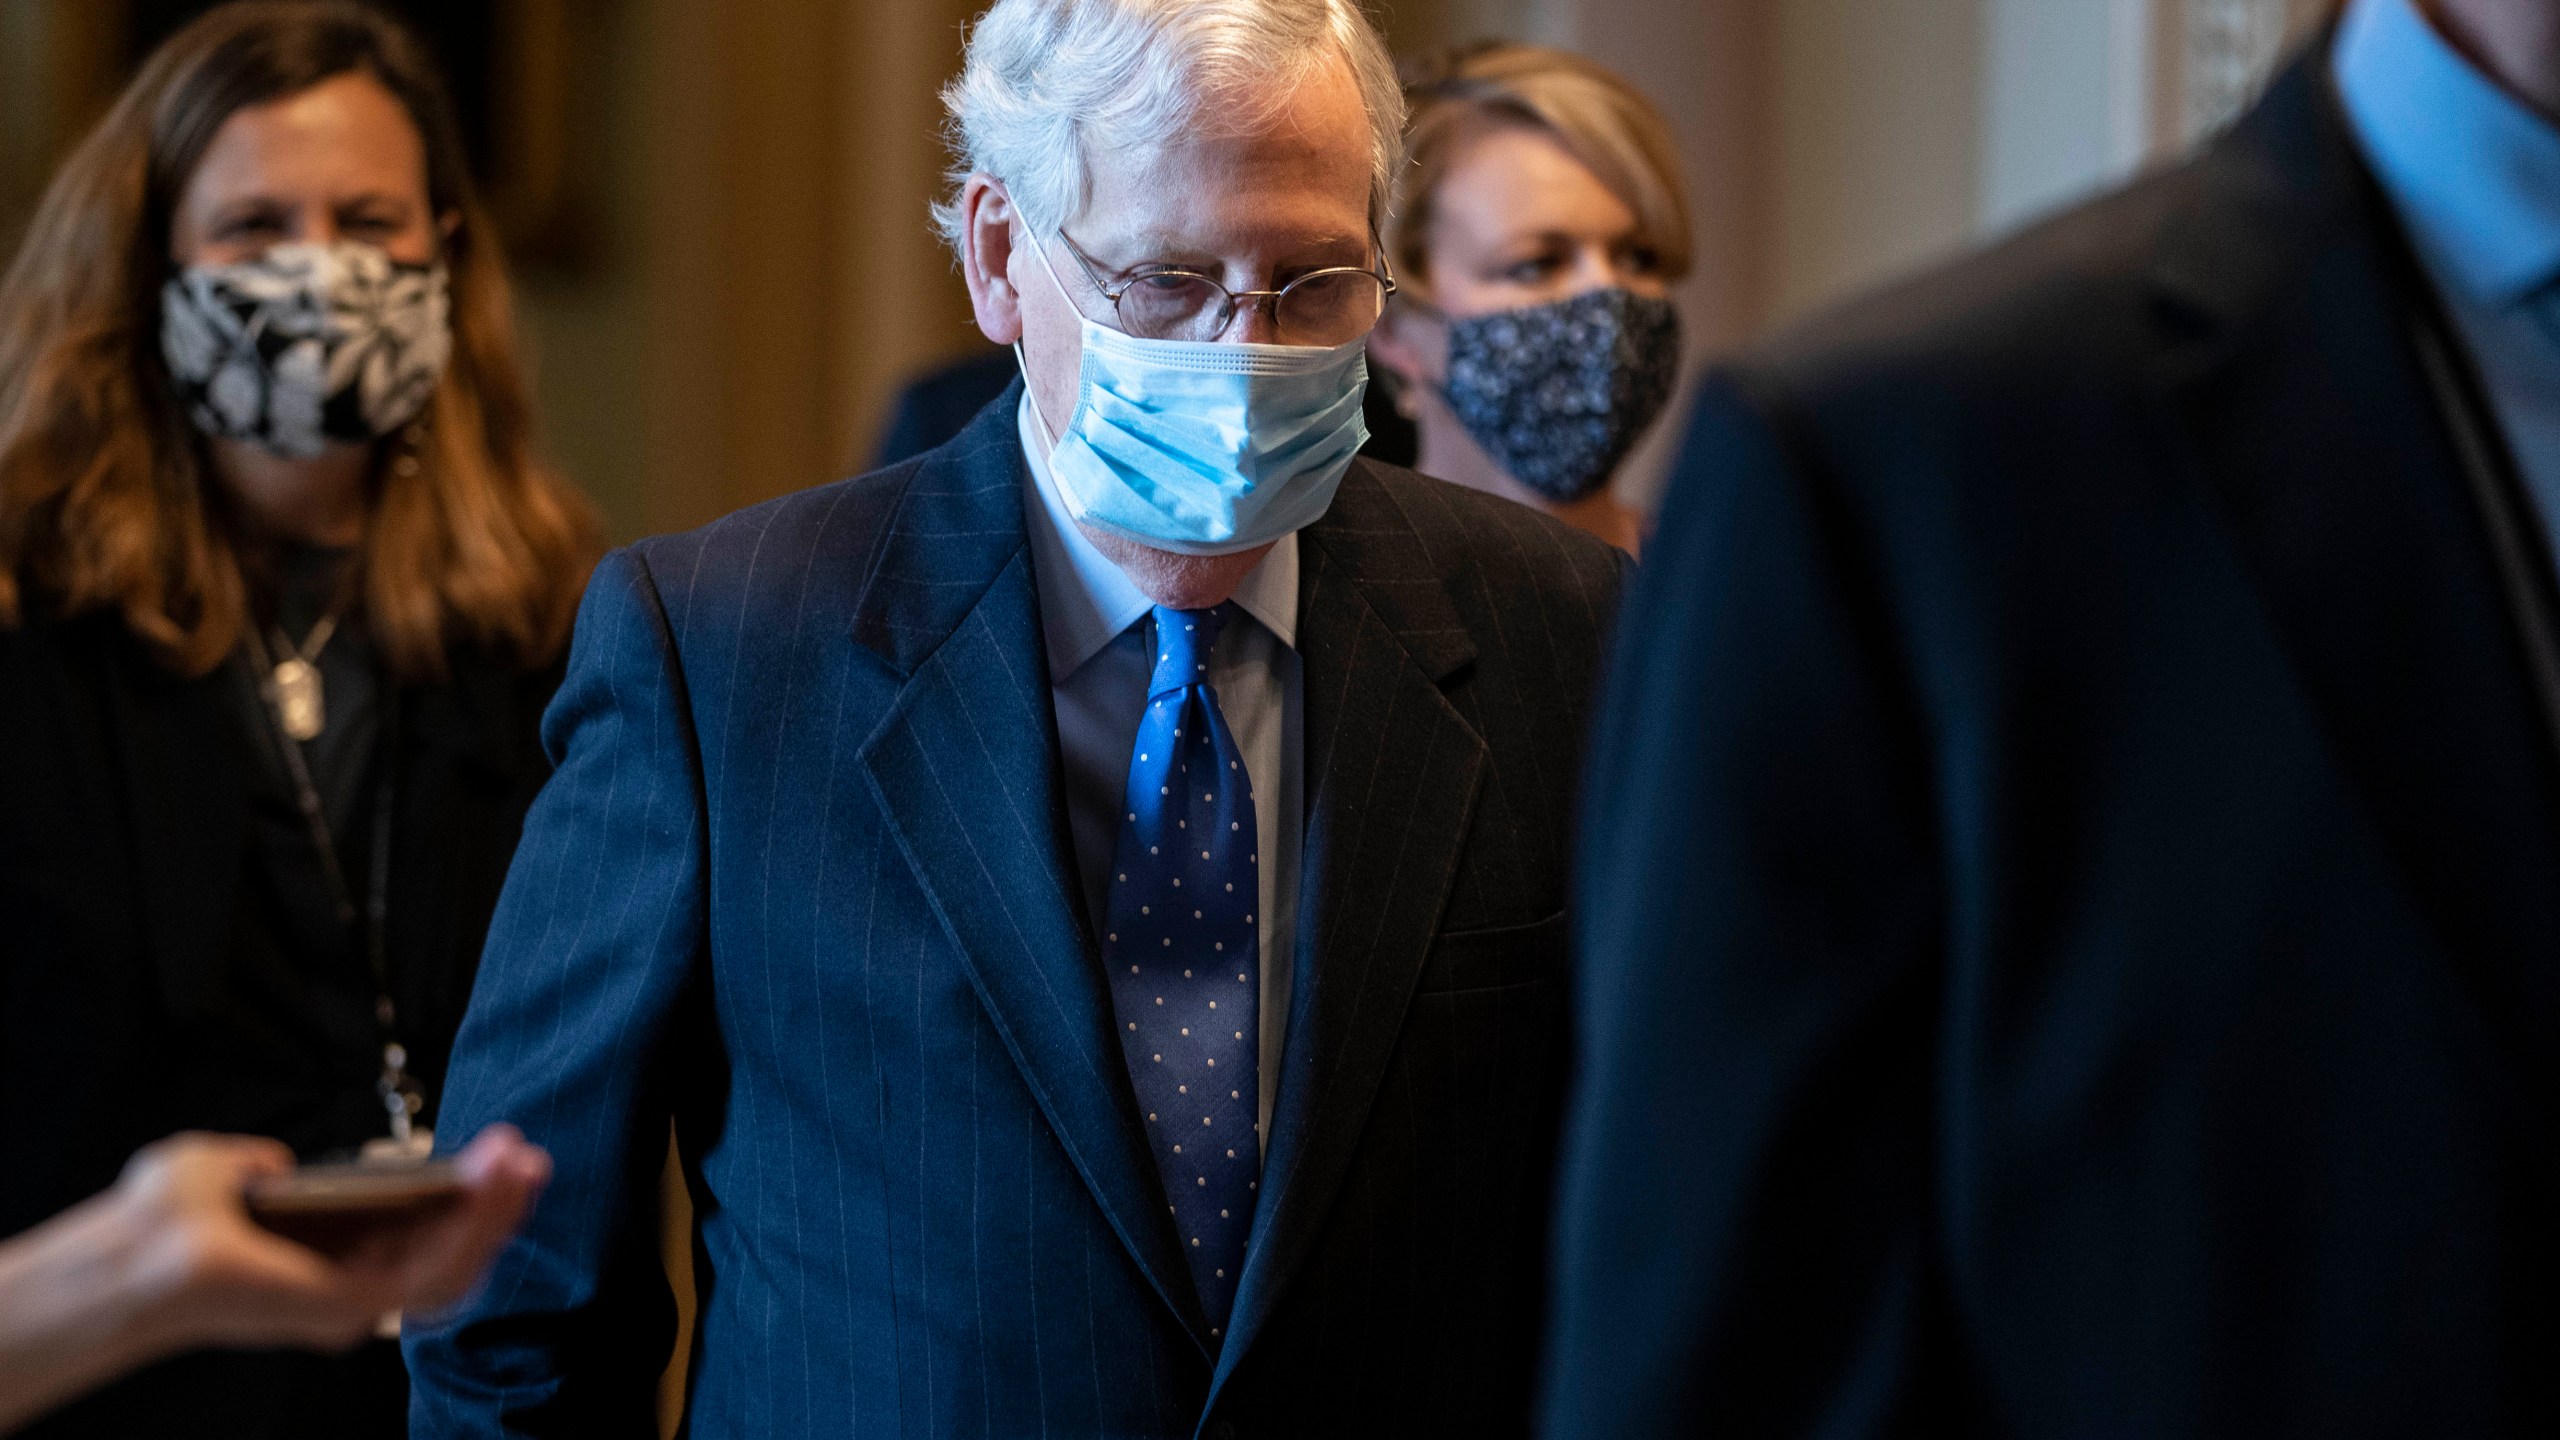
{"points": [[1048, 83]]}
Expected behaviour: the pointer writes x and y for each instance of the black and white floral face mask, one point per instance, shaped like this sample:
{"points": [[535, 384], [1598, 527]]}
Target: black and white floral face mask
{"points": [[306, 344], [1558, 393]]}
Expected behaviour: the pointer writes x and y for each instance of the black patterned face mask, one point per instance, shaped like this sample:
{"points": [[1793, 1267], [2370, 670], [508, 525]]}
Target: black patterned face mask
{"points": [[1558, 393], [306, 344]]}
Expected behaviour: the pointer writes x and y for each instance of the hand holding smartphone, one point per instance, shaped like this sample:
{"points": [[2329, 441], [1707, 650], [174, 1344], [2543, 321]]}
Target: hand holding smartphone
{"points": [[336, 1209], [218, 1240]]}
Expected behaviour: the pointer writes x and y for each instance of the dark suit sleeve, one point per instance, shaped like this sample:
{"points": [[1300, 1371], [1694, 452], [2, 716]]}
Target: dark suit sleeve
{"points": [[569, 1035], [1745, 1205]]}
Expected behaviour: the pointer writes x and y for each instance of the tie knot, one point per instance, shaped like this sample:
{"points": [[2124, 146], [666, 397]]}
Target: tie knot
{"points": [[1184, 639]]}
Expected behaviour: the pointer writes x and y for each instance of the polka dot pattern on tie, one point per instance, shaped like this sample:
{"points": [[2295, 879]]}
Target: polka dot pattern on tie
{"points": [[1160, 931]]}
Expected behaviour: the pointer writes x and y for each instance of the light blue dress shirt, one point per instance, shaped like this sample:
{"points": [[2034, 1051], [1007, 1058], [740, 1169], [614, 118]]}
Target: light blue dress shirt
{"points": [[2475, 176], [1096, 633]]}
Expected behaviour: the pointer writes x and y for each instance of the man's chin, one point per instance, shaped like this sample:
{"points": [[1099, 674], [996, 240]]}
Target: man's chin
{"points": [[1177, 582]]}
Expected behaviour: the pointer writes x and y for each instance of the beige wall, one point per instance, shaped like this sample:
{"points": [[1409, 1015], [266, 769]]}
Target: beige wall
{"points": [[586, 334], [769, 275], [1875, 133], [57, 73], [1827, 143], [1832, 145]]}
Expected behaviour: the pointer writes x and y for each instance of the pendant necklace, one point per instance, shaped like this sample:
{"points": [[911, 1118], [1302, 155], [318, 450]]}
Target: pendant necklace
{"points": [[294, 703], [300, 703]]}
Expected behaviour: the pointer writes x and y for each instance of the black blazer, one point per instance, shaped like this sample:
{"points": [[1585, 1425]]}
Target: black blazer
{"points": [[124, 802], [804, 882], [2072, 889]]}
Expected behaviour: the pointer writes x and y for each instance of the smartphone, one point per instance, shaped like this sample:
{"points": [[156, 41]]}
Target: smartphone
{"points": [[335, 1208]]}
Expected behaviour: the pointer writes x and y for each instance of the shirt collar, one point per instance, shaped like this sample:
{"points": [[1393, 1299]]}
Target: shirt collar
{"points": [[1086, 601], [2473, 171]]}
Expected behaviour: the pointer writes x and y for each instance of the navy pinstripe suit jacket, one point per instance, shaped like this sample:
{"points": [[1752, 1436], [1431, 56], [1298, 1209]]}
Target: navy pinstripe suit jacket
{"points": [[803, 882]]}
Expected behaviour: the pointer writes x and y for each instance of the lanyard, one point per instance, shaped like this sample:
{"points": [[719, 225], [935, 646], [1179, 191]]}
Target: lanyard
{"points": [[402, 1097]]}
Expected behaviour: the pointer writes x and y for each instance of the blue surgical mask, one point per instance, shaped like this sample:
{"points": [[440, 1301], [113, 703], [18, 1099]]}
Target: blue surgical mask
{"points": [[1204, 448]]}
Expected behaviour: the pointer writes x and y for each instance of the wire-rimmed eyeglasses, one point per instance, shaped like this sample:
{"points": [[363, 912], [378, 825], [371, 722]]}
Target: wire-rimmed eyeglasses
{"points": [[1332, 306]]}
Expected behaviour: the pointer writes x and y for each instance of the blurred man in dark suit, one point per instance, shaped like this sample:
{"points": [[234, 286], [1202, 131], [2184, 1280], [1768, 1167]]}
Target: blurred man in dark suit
{"points": [[2072, 921], [1091, 897], [933, 407]]}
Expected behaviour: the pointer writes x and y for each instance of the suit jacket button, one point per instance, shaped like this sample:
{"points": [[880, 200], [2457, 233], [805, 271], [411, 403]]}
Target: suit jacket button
{"points": [[1222, 1430]]}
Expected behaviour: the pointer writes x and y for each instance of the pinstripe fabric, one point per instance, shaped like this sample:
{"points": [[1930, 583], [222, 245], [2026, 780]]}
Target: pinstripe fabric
{"points": [[802, 881]]}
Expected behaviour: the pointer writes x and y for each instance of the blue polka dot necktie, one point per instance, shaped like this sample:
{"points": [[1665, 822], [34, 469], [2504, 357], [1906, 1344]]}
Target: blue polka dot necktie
{"points": [[1178, 939]]}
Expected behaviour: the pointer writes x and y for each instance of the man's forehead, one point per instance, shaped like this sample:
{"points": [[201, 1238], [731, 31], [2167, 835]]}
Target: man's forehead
{"points": [[1177, 207], [1213, 234], [1298, 171]]}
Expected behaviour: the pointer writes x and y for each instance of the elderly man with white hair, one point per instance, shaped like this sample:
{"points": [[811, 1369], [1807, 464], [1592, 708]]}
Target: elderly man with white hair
{"points": [[1091, 899]]}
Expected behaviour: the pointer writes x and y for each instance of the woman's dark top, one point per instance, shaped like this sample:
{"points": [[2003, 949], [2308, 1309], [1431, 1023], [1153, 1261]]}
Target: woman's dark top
{"points": [[291, 1030], [173, 957]]}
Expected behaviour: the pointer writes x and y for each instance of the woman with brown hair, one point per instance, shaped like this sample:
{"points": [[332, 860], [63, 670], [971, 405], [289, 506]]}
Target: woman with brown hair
{"points": [[1536, 232], [282, 596]]}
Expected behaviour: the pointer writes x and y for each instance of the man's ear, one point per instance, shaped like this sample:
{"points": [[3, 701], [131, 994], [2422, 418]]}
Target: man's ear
{"points": [[986, 251]]}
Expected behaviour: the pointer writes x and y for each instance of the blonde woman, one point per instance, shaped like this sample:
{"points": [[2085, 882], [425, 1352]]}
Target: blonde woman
{"points": [[282, 597], [1536, 234]]}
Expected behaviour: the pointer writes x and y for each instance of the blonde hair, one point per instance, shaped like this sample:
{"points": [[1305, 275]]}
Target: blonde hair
{"points": [[1598, 118], [105, 499]]}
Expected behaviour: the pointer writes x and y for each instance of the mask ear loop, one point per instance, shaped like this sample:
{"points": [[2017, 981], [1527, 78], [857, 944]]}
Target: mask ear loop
{"points": [[1032, 393], [1028, 389], [1448, 323]]}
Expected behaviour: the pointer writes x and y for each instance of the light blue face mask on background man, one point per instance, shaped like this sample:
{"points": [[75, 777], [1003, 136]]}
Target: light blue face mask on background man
{"points": [[1200, 447]]}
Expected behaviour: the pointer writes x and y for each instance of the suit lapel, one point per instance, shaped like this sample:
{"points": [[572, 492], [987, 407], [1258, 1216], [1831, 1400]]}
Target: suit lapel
{"points": [[1392, 774], [2288, 369], [966, 770]]}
